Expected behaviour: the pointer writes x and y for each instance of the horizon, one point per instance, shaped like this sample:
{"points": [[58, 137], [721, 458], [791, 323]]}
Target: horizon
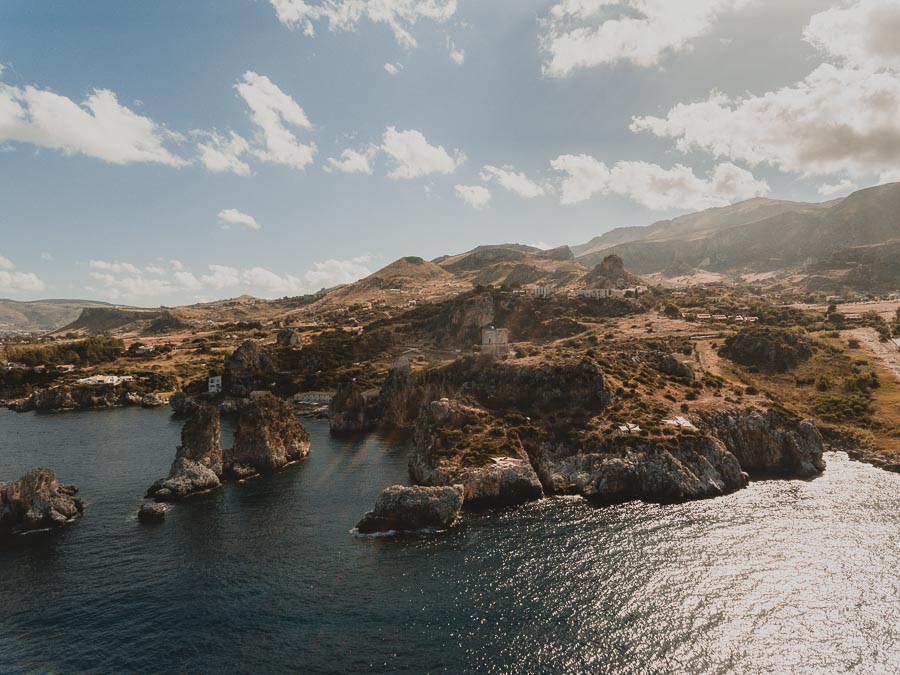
{"points": [[304, 149]]}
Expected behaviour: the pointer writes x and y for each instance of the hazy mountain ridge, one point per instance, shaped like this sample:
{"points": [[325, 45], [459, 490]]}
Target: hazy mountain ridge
{"points": [[41, 315]]}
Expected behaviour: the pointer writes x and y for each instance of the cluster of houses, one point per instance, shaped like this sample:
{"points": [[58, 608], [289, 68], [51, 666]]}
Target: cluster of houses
{"points": [[96, 380], [593, 293], [12, 365], [722, 317]]}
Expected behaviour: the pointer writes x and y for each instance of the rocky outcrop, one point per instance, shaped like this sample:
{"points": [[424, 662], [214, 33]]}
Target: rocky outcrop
{"points": [[37, 501], [151, 400], [668, 364], [767, 442], [268, 437], [247, 369], [198, 460], [354, 409], [455, 445], [76, 398], [661, 470], [402, 509], [181, 403], [769, 348], [152, 512]]}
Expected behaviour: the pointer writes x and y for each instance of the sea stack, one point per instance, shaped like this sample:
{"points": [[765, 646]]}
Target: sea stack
{"points": [[198, 460], [403, 509], [268, 437], [37, 501]]}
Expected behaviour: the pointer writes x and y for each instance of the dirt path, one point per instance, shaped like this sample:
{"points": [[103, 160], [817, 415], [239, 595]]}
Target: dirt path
{"points": [[707, 358], [886, 352]]}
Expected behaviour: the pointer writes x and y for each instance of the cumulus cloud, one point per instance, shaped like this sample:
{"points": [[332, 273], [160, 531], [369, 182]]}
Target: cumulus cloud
{"points": [[346, 15], [475, 196], [864, 34], [836, 119], [221, 154], [351, 161], [518, 183], [98, 127], [393, 68], [458, 56], [842, 187], [125, 280], [586, 33], [12, 281], [653, 186], [274, 113], [412, 156], [228, 217]]}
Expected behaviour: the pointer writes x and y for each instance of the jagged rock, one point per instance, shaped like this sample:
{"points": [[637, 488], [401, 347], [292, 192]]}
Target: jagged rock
{"points": [[152, 512], [268, 437], [132, 398], [767, 442], [685, 468], [38, 501], [400, 508], [198, 460], [287, 337], [181, 403], [768, 348], [502, 476], [247, 369], [353, 408], [151, 401], [669, 365]]}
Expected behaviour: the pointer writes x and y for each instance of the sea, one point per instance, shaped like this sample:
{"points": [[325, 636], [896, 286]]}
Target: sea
{"points": [[786, 576]]}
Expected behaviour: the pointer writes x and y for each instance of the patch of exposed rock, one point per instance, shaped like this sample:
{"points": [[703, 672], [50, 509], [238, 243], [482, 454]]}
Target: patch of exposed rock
{"points": [[401, 509], [76, 398], [247, 369], [37, 501], [454, 446], [767, 442], [152, 512], [198, 460], [268, 437], [769, 348]]}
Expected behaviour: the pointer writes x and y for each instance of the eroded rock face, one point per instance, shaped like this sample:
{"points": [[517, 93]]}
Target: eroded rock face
{"points": [[688, 467], [500, 475], [75, 398], [181, 403], [198, 460], [353, 409], [769, 348], [400, 508], [767, 442], [247, 369], [268, 437], [37, 501], [152, 512]]}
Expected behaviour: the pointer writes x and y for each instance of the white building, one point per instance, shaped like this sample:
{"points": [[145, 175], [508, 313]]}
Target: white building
{"points": [[542, 291], [495, 341], [95, 380], [215, 384], [314, 397]]}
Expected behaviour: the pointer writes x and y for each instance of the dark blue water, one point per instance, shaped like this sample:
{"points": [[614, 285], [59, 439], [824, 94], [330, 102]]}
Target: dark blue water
{"points": [[786, 576]]}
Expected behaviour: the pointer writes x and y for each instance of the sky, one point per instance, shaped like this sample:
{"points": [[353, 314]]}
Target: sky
{"points": [[163, 153]]}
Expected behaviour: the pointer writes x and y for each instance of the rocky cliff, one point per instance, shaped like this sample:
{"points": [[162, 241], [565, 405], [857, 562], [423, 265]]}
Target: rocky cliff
{"points": [[77, 398], [767, 442], [248, 368], [268, 437], [404, 509], [198, 460], [37, 501]]}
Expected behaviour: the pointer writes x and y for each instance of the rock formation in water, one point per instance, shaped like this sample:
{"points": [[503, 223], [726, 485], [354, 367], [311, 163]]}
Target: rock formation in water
{"points": [[76, 398], [152, 512], [402, 509], [248, 368], [37, 501], [268, 437], [768, 442], [455, 444], [354, 408], [198, 460]]}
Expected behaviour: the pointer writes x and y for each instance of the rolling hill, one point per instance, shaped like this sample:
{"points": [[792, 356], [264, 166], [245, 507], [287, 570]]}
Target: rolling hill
{"points": [[39, 316]]}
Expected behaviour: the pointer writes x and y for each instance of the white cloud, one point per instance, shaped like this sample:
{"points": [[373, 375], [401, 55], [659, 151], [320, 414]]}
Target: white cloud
{"points": [[351, 161], [335, 272], [234, 217], [99, 127], [393, 68], [176, 265], [154, 269], [413, 157], [6, 263], [15, 282], [458, 56], [113, 266], [345, 15], [653, 186], [220, 154], [830, 189], [274, 112], [475, 196], [865, 34], [518, 183], [835, 120], [587, 33], [46, 256]]}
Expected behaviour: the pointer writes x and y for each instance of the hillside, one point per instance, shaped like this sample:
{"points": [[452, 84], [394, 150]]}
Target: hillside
{"points": [[40, 315], [755, 235]]}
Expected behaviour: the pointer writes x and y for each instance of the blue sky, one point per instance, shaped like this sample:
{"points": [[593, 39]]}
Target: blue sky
{"points": [[541, 122]]}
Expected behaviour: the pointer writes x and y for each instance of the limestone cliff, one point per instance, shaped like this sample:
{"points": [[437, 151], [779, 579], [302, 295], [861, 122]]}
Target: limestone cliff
{"points": [[248, 368], [268, 437], [37, 501], [198, 460]]}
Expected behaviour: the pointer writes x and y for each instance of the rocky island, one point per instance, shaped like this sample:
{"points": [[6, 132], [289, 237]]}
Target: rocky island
{"points": [[37, 501]]}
